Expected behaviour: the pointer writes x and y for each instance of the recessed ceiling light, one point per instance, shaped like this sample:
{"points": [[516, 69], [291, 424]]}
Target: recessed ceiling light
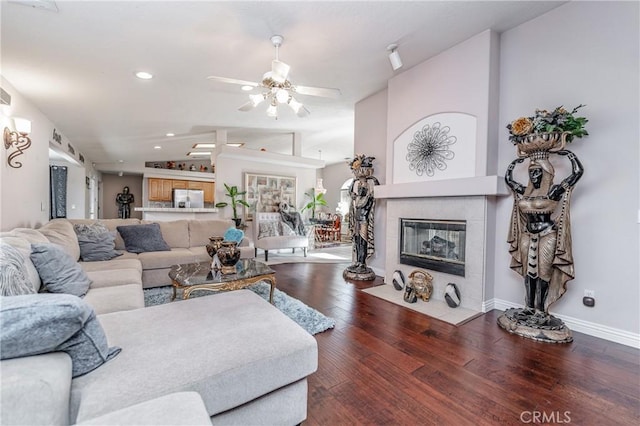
{"points": [[199, 153], [120, 161], [144, 75], [236, 144], [247, 88], [157, 147], [170, 134], [204, 145]]}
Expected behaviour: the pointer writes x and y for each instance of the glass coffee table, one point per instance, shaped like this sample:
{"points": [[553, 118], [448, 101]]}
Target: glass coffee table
{"points": [[190, 277]]}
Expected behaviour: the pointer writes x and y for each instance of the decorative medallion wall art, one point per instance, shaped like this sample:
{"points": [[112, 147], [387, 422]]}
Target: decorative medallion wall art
{"points": [[439, 146], [429, 149]]}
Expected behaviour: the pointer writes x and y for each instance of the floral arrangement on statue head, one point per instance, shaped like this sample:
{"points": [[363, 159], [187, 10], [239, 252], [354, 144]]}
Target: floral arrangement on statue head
{"points": [[557, 121]]}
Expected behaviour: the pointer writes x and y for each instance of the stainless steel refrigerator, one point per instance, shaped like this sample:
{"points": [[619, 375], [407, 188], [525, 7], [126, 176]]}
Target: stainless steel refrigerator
{"points": [[188, 198]]}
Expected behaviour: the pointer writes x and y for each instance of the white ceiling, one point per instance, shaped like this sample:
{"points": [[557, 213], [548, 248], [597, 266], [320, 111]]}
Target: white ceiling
{"points": [[76, 65]]}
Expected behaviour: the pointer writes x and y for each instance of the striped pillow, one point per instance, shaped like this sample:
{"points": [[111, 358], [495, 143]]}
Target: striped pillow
{"points": [[13, 276]]}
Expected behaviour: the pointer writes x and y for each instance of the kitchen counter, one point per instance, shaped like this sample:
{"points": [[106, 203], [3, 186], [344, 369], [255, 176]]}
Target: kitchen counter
{"points": [[172, 213]]}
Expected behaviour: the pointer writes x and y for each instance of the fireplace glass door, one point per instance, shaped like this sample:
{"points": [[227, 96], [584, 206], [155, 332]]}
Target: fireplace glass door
{"points": [[438, 245]]}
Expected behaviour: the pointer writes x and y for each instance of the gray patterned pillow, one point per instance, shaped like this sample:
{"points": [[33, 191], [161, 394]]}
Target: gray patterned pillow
{"points": [[286, 230], [58, 271], [269, 228], [14, 280], [96, 242], [40, 323]]}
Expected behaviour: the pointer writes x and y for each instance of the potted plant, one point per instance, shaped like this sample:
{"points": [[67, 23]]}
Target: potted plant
{"points": [[235, 195], [317, 200]]}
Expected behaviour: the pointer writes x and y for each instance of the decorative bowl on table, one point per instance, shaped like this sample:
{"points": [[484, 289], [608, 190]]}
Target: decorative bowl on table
{"points": [[214, 244], [229, 255]]}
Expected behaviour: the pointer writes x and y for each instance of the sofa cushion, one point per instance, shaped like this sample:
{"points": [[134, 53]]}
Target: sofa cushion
{"points": [[174, 232], [201, 230], [230, 348], [21, 239], [118, 263], [14, 278], [35, 390], [165, 259], [60, 231], [58, 271], [114, 277], [176, 409], [41, 323], [105, 300], [143, 238]]}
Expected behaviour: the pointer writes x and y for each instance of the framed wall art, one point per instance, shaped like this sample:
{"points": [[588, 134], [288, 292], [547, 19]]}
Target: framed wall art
{"points": [[266, 192]]}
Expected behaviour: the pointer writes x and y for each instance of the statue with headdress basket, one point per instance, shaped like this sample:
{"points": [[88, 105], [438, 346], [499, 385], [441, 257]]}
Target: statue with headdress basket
{"points": [[540, 228], [361, 217]]}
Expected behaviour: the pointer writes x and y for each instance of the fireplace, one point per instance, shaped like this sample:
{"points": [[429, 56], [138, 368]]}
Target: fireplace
{"points": [[439, 245]]}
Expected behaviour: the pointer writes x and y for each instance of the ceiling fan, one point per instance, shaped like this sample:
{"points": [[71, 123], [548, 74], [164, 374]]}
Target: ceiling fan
{"points": [[277, 88]]}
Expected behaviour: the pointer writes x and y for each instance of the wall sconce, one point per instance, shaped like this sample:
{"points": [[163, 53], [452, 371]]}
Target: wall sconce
{"points": [[19, 140]]}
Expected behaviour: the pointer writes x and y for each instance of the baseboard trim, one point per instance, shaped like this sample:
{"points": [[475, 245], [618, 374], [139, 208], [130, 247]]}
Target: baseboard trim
{"points": [[592, 329]]}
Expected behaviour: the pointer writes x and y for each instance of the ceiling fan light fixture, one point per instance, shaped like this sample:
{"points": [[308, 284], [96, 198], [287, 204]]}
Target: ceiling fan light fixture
{"points": [[272, 111], [282, 96], [256, 99]]}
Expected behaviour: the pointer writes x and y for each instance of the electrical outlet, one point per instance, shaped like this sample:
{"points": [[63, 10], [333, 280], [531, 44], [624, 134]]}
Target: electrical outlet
{"points": [[589, 293]]}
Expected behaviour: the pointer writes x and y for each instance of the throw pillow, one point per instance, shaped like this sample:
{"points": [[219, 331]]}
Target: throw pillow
{"points": [[58, 271], [90, 229], [13, 275], [143, 238], [96, 242], [234, 234], [23, 245], [286, 230], [40, 323], [98, 248], [268, 229]]}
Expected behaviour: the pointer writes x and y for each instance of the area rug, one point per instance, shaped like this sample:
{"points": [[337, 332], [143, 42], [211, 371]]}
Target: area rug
{"points": [[308, 318], [340, 254], [433, 308]]}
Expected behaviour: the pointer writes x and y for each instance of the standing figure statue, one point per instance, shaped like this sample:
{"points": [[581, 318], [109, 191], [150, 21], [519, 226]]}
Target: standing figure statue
{"points": [[124, 200], [361, 217], [540, 246]]}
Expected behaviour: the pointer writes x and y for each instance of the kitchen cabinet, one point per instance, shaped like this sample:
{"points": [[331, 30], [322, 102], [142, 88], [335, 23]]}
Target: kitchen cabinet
{"points": [[160, 189]]}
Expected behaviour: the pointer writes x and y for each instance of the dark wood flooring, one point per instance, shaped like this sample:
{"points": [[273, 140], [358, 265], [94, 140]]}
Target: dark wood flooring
{"points": [[384, 364]]}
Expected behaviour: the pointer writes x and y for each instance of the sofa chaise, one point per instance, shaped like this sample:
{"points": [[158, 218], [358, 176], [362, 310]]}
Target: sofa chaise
{"points": [[232, 358]]}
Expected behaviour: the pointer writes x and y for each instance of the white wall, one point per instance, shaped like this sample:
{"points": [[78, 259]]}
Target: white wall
{"points": [[25, 191], [333, 177], [370, 135], [583, 52], [231, 171]]}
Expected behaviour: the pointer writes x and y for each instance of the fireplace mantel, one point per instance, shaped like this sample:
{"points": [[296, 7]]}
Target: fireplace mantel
{"points": [[481, 185]]}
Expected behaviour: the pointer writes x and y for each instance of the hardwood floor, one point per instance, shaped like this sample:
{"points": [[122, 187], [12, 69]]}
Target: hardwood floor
{"points": [[384, 364]]}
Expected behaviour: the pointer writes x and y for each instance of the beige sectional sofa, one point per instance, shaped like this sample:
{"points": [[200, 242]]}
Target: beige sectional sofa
{"points": [[232, 358], [187, 239]]}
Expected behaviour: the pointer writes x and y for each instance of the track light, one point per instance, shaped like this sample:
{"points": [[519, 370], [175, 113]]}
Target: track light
{"points": [[394, 57]]}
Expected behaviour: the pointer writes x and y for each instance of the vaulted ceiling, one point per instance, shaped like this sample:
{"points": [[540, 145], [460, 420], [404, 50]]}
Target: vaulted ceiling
{"points": [[75, 60]]}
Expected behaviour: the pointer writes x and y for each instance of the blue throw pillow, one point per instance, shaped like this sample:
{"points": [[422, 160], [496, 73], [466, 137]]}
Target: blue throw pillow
{"points": [[143, 238], [58, 271], [234, 234], [40, 323]]}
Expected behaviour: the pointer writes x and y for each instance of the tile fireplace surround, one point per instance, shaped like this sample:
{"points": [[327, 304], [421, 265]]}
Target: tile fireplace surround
{"points": [[469, 199]]}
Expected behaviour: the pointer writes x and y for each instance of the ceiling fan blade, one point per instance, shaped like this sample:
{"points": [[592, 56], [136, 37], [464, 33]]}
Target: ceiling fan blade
{"points": [[318, 91], [233, 81], [303, 112], [279, 71], [247, 107]]}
